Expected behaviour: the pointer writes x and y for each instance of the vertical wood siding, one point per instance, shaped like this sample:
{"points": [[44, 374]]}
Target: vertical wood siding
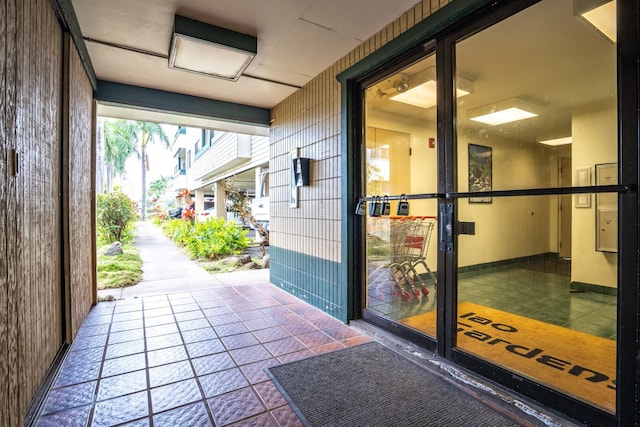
{"points": [[306, 242], [38, 196], [8, 48], [80, 191], [31, 307]]}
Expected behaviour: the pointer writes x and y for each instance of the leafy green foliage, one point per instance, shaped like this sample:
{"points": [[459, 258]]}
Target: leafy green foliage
{"points": [[119, 270], [119, 142], [115, 216], [241, 204], [158, 187], [210, 239], [149, 132]]}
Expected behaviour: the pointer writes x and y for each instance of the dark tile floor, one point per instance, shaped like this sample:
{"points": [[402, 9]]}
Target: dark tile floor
{"points": [[540, 292], [189, 359]]}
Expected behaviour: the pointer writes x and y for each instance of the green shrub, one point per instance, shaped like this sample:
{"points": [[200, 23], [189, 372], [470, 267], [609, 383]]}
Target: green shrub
{"points": [[210, 239], [115, 217]]}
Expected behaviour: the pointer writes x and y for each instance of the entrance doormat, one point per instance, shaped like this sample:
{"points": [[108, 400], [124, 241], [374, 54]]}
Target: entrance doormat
{"points": [[370, 385], [572, 362]]}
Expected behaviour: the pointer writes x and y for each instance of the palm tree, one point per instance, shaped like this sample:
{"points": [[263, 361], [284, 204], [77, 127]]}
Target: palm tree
{"points": [[158, 187], [149, 133], [119, 144]]}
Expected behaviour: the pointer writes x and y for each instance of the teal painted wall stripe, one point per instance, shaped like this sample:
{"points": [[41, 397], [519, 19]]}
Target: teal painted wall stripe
{"points": [[314, 280]]}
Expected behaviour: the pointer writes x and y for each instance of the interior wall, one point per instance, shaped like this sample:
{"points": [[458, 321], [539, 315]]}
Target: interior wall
{"points": [[523, 226], [508, 227], [594, 130]]}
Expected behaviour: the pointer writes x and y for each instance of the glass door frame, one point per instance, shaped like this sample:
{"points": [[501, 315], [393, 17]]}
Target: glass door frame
{"points": [[411, 48], [409, 57]]}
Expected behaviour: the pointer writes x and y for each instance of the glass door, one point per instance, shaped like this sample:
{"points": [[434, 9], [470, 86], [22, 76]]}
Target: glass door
{"points": [[400, 171], [537, 279], [496, 179]]}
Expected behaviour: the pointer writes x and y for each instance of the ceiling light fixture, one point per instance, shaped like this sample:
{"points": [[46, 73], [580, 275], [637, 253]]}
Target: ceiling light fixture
{"points": [[501, 112], [420, 89], [556, 141], [209, 50], [601, 14]]}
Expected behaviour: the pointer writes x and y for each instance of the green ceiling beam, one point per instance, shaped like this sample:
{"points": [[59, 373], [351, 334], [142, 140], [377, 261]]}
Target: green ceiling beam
{"points": [[170, 102]]}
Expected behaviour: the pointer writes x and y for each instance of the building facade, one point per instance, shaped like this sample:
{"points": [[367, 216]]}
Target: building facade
{"points": [[520, 238], [205, 158], [530, 272]]}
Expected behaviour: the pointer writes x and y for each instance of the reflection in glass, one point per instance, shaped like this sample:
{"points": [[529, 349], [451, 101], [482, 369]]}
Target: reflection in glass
{"points": [[537, 283], [400, 158]]}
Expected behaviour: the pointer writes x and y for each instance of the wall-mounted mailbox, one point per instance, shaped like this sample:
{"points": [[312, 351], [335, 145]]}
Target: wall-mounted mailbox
{"points": [[301, 171], [607, 209]]}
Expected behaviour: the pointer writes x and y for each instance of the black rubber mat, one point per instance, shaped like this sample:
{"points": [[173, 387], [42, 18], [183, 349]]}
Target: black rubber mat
{"points": [[370, 385]]}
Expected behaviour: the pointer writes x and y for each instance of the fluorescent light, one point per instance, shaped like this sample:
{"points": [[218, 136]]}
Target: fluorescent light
{"points": [[422, 89], [213, 51], [423, 95], [508, 115], [557, 141], [507, 111], [599, 13]]}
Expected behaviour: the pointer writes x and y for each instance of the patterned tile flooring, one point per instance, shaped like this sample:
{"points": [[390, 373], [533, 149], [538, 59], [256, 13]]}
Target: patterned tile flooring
{"points": [[542, 295], [189, 359]]}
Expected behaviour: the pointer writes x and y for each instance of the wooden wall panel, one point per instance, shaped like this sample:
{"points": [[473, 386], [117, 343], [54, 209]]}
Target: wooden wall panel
{"points": [[30, 298], [7, 145], [80, 191]]}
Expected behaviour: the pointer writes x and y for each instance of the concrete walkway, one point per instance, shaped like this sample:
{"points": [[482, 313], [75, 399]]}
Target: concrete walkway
{"points": [[166, 269]]}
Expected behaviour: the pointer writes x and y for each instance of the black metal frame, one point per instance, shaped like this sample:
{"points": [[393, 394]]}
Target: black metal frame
{"points": [[476, 19]]}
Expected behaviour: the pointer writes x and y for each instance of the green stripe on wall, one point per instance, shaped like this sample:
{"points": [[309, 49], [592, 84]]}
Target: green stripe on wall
{"points": [[313, 280]]}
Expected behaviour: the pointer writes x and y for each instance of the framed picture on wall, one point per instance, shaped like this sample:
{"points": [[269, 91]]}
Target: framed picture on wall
{"points": [[480, 171]]}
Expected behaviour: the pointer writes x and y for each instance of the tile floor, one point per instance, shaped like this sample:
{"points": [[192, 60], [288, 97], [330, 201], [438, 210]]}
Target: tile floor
{"points": [[530, 290], [189, 359]]}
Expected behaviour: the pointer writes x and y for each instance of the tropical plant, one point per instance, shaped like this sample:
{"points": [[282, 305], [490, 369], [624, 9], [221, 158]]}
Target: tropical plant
{"points": [[115, 216], [158, 187], [119, 145], [240, 203], [188, 206], [149, 133], [211, 239]]}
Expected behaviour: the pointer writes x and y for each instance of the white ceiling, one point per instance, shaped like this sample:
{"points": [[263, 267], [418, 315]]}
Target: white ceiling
{"points": [[128, 42]]}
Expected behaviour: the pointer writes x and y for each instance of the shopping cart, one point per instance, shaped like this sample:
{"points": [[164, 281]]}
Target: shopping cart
{"points": [[398, 245], [414, 252]]}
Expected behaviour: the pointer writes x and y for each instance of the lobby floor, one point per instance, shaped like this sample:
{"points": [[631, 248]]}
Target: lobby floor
{"points": [[194, 358], [540, 291]]}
